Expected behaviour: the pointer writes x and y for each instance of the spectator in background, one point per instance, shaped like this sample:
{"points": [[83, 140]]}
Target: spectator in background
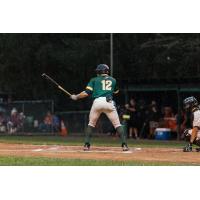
{"points": [[169, 119], [154, 117], [50, 123], [56, 123], [124, 117], [143, 119], [168, 112], [132, 122], [47, 124], [15, 121]]}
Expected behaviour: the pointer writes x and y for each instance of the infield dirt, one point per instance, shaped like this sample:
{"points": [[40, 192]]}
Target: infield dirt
{"points": [[172, 155]]}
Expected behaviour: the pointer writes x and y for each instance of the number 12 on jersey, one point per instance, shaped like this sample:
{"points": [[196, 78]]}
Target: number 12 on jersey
{"points": [[106, 85]]}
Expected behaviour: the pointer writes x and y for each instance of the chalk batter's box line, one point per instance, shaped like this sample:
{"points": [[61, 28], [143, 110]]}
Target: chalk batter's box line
{"points": [[56, 150], [69, 151], [81, 151]]}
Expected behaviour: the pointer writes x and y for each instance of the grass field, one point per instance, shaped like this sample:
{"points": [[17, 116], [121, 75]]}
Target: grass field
{"points": [[40, 161], [99, 141], [78, 141]]}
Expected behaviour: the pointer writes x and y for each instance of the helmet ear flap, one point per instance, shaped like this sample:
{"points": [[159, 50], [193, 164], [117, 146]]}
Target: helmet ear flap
{"points": [[106, 71]]}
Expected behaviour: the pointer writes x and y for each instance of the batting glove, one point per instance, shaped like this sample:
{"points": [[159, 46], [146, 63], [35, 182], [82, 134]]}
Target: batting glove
{"points": [[74, 97]]}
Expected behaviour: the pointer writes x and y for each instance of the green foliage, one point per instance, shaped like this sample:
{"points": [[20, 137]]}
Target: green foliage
{"points": [[148, 57], [71, 59], [24, 57]]}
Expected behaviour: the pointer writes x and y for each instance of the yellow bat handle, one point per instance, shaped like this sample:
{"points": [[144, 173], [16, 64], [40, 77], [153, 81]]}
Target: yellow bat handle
{"points": [[61, 88]]}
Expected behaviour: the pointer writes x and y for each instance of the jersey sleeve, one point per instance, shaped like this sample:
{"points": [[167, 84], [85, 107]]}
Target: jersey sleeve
{"points": [[116, 89], [90, 87]]}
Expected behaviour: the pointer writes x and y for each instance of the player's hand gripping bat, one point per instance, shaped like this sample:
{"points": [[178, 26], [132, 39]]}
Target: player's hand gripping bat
{"points": [[54, 82]]}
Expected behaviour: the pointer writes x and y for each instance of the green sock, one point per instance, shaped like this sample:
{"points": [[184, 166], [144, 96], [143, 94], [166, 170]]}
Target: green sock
{"points": [[88, 134], [122, 134]]}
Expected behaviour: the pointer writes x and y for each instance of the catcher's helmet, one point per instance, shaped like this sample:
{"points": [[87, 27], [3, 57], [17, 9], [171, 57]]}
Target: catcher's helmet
{"points": [[190, 103], [102, 69]]}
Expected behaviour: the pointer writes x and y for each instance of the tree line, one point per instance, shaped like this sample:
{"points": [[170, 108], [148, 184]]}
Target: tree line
{"points": [[72, 58]]}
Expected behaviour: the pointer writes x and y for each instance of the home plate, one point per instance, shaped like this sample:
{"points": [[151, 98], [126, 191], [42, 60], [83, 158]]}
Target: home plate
{"points": [[54, 148], [132, 150], [137, 149], [127, 151], [37, 150]]}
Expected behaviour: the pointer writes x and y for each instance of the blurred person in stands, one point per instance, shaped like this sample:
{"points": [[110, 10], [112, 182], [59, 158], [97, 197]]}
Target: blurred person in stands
{"points": [[46, 125], [143, 119], [132, 122], [15, 122], [168, 112], [154, 117], [50, 123], [56, 123], [169, 119]]}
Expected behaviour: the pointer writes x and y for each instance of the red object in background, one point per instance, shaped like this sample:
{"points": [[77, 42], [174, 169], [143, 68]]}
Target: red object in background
{"points": [[63, 131], [170, 122]]}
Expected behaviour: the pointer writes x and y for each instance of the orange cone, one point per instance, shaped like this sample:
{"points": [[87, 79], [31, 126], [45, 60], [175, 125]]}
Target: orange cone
{"points": [[63, 129]]}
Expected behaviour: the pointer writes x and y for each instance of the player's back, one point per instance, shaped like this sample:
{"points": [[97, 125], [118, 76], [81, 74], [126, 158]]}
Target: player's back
{"points": [[102, 86]]}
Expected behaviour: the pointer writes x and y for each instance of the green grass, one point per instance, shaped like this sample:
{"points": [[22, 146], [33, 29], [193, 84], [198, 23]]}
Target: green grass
{"points": [[97, 141], [41, 161]]}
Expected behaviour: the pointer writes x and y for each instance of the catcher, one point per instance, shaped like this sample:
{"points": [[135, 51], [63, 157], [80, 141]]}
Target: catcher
{"points": [[192, 135], [102, 89]]}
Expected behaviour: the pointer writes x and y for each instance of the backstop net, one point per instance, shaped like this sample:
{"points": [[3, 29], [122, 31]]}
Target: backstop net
{"points": [[77, 121], [27, 117]]}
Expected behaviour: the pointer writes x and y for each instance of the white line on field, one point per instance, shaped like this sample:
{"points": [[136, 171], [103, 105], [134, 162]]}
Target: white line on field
{"points": [[56, 150], [15, 150], [37, 150]]}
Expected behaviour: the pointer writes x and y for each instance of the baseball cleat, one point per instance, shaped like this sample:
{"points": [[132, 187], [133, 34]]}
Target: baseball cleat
{"points": [[125, 147], [187, 148], [86, 147]]}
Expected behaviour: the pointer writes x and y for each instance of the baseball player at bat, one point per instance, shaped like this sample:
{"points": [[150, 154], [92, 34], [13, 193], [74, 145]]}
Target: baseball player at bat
{"points": [[192, 135], [102, 89]]}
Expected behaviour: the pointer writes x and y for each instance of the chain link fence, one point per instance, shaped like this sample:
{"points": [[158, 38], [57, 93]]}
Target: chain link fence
{"points": [[38, 118], [77, 121], [27, 117]]}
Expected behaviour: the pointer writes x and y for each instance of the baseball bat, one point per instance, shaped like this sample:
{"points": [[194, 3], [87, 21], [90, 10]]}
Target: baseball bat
{"points": [[54, 82]]}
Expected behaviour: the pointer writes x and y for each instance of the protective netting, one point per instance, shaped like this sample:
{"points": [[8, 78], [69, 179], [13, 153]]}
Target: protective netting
{"points": [[23, 117], [77, 121]]}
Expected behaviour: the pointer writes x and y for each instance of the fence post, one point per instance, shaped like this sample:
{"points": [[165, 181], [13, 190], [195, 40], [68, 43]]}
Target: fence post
{"points": [[126, 94], [85, 124], [179, 114], [23, 110], [52, 111]]}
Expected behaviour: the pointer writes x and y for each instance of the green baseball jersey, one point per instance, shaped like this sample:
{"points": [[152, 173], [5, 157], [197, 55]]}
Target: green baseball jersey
{"points": [[102, 86]]}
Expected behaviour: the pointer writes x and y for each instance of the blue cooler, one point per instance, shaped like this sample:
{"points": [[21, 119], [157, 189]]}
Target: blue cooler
{"points": [[162, 134]]}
